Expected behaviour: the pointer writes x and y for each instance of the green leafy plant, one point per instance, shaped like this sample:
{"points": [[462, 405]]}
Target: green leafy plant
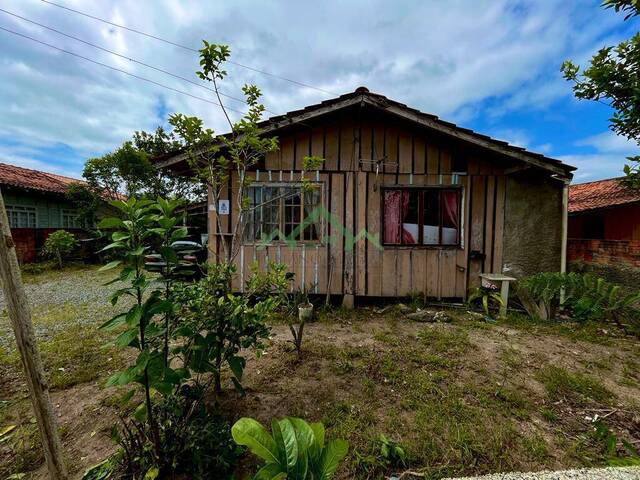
{"points": [[586, 297], [488, 298], [295, 450], [392, 452], [216, 325], [59, 245], [143, 326], [630, 455]]}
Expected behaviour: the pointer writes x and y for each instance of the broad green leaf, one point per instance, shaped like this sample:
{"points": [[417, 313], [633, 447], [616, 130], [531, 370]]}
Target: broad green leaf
{"points": [[304, 433], [140, 413], [237, 366], [126, 338], [110, 222], [284, 435], [114, 322], [271, 471], [251, 434], [110, 265], [134, 316], [332, 455]]}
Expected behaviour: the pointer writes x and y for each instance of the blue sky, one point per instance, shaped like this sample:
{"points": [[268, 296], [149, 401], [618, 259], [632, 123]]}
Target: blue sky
{"points": [[492, 66]]}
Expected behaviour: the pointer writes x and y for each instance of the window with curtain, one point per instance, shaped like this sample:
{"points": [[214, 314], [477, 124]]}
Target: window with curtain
{"points": [[421, 216], [283, 210]]}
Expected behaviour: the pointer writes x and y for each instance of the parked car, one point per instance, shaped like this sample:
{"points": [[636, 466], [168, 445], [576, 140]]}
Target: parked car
{"points": [[190, 255]]}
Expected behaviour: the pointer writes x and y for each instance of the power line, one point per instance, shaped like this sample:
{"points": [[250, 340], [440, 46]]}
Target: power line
{"points": [[174, 75], [117, 69], [169, 42]]}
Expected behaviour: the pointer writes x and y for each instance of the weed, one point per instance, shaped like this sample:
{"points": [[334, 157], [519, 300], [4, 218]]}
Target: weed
{"points": [[561, 384]]}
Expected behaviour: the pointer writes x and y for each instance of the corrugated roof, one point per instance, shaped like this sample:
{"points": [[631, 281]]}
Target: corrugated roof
{"points": [[600, 194], [34, 179]]}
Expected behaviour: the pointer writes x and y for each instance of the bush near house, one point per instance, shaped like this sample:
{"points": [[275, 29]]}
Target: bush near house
{"points": [[59, 245]]}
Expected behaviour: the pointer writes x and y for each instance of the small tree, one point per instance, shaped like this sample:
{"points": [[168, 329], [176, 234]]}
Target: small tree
{"points": [[212, 157], [59, 245], [614, 77]]}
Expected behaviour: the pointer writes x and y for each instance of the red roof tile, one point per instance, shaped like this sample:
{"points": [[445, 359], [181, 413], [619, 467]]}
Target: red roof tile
{"points": [[34, 179], [600, 194]]}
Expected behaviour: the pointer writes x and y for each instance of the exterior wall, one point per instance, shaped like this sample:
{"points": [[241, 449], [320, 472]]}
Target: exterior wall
{"points": [[533, 224], [604, 252], [49, 208], [352, 194], [620, 223]]}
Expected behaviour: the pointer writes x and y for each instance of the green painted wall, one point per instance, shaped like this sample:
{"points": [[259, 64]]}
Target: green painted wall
{"points": [[48, 207]]}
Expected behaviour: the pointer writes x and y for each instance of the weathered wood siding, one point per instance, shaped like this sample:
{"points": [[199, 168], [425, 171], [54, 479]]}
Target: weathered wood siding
{"points": [[352, 194]]}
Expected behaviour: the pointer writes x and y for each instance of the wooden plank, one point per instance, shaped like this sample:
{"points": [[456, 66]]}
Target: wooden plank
{"points": [[348, 145], [391, 149], [432, 159], [378, 142], [286, 149], [405, 152], [488, 223], [445, 163], [419, 155], [374, 252], [447, 273], [389, 257], [476, 224], [462, 253], [303, 148], [433, 273], [272, 160], [332, 146], [317, 142], [335, 231], [498, 240], [361, 226], [349, 222], [366, 135]]}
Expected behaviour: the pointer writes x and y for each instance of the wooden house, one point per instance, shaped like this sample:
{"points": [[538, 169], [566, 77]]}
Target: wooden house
{"points": [[410, 204]]}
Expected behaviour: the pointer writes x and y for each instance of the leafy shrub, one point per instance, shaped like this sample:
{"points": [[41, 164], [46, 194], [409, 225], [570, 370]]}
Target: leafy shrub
{"points": [[194, 444], [586, 297], [295, 450], [216, 325], [59, 245]]}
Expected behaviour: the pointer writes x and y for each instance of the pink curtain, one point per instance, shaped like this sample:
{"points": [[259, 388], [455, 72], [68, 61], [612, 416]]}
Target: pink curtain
{"points": [[396, 203], [450, 210], [392, 213]]}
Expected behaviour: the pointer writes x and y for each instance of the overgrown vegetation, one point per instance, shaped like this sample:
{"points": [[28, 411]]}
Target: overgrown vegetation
{"points": [[583, 297]]}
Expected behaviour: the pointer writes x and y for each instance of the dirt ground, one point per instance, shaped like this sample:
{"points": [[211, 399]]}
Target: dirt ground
{"points": [[461, 398]]}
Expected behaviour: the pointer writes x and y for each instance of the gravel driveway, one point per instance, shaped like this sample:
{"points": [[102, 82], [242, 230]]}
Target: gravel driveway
{"points": [[75, 297], [620, 473]]}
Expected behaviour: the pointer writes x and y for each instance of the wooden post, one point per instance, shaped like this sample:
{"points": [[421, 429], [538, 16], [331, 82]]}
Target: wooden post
{"points": [[20, 316]]}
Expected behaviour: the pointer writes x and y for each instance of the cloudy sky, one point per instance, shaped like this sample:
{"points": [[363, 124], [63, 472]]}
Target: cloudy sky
{"points": [[492, 66]]}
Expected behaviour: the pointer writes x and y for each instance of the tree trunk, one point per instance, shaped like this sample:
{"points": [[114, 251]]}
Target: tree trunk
{"points": [[20, 315]]}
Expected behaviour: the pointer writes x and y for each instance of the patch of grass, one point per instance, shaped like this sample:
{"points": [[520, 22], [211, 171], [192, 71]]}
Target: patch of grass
{"points": [[445, 339], [561, 384], [74, 350], [549, 415]]}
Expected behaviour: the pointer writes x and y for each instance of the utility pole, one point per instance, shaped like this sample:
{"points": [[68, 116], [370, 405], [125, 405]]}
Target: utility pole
{"points": [[20, 315]]}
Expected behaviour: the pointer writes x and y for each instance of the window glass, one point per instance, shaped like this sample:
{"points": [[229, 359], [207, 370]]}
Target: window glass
{"points": [[21, 216], [431, 216], [283, 209]]}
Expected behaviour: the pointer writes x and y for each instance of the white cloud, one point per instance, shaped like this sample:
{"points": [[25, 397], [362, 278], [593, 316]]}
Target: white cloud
{"points": [[445, 58]]}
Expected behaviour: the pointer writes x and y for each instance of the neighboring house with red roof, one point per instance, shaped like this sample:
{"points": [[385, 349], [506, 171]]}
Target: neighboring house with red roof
{"points": [[36, 206], [604, 223]]}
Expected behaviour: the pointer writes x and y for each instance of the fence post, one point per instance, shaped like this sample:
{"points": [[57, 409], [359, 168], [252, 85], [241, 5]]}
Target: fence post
{"points": [[20, 315]]}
